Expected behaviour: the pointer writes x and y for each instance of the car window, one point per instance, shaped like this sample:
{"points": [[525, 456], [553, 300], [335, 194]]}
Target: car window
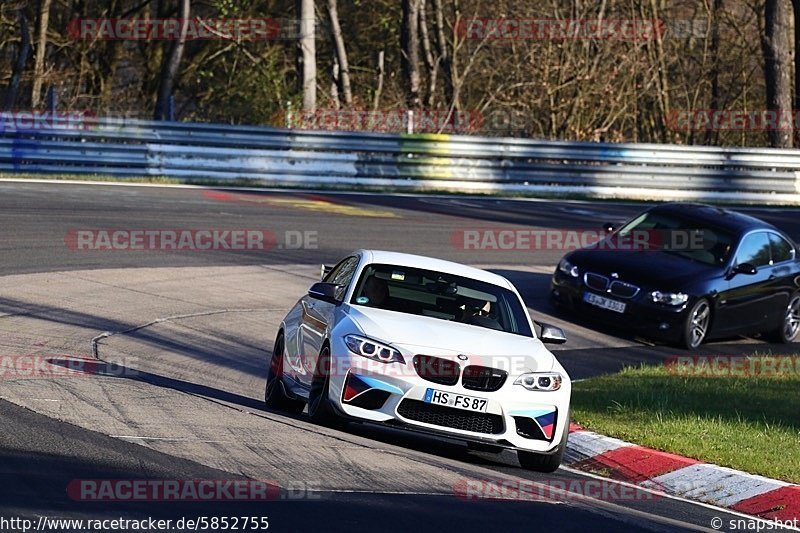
{"points": [[782, 250], [342, 274], [754, 249], [678, 235], [443, 296]]}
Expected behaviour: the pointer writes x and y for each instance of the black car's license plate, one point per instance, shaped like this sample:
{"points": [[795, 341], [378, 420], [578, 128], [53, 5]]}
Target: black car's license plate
{"points": [[603, 302]]}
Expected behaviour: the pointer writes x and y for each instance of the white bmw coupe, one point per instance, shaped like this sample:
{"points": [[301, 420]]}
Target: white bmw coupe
{"points": [[424, 344]]}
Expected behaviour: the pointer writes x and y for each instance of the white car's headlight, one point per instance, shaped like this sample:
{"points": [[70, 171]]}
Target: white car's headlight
{"points": [[669, 298], [373, 349], [568, 268], [540, 381]]}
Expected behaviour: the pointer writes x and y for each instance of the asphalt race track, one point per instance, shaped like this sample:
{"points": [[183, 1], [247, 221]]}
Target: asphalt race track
{"points": [[177, 392]]}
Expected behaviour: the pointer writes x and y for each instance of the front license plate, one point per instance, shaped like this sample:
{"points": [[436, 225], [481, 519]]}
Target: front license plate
{"points": [[603, 302], [458, 401]]}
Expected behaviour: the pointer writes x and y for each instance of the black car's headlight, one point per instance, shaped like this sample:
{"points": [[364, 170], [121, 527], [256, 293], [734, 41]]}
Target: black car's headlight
{"points": [[568, 268], [669, 298], [372, 349], [540, 381]]}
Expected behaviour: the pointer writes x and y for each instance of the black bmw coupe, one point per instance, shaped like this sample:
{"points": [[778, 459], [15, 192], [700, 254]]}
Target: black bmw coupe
{"points": [[685, 273]]}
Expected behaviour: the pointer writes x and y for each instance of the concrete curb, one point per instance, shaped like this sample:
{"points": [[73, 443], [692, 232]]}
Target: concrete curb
{"points": [[680, 476]]}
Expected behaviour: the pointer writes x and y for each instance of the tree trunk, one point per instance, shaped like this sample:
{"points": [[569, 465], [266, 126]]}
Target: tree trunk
{"points": [[777, 71], [716, 98], [444, 54], [427, 53], [380, 70], [307, 54], [22, 58], [171, 66], [409, 42], [109, 58], [41, 46], [796, 9], [341, 53]]}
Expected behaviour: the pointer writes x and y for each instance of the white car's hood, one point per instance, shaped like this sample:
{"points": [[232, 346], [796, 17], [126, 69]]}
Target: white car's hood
{"points": [[415, 334]]}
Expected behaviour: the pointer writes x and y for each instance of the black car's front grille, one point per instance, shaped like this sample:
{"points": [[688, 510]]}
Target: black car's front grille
{"points": [[595, 281], [437, 370], [439, 415], [622, 289], [600, 283], [483, 378]]}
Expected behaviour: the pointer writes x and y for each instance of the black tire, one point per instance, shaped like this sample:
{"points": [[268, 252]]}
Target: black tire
{"points": [[544, 463], [789, 330], [696, 325], [275, 397], [320, 408]]}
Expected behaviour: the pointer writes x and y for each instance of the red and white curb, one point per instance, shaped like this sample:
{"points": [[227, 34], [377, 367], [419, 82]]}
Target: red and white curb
{"points": [[680, 476]]}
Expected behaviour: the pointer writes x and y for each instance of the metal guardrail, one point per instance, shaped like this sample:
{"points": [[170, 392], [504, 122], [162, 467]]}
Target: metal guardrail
{"points": [[191, 151]]}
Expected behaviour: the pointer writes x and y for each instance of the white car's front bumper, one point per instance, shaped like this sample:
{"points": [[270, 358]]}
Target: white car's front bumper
{"points": [[514, 417]]}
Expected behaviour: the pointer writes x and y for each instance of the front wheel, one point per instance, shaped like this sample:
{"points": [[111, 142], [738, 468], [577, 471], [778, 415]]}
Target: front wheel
{"points": [[275, 396], [320, 408], [698, 320], [790, 328]]}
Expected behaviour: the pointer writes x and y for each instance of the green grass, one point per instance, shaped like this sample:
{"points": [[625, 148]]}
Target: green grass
{"points": [[747, 423]]}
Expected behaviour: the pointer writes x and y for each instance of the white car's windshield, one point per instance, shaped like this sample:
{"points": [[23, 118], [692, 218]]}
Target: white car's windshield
{"points": [[443, 296]]}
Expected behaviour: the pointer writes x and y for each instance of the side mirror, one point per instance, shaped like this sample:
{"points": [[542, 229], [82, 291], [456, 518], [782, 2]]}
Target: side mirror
{"points": [[745, 268], [325, 292], [324, 271], [551, 334]]}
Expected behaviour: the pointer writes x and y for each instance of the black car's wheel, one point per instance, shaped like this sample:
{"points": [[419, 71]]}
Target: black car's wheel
{"points": [[698, 320], [320, 408], [544, 463], [790, 328], [274, 393]]}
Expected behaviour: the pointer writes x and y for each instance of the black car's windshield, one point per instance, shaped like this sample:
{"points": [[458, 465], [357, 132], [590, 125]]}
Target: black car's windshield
{"points": [[682, 236], [443, 296]]}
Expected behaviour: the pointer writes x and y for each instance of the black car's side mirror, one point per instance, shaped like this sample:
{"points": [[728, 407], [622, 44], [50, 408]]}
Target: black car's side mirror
{"points": [[609, 227], [745, 268], [551, 334], [325, 292]]}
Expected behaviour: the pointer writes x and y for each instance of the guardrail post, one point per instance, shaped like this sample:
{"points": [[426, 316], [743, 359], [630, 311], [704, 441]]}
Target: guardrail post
{"points": [[410, 120]]}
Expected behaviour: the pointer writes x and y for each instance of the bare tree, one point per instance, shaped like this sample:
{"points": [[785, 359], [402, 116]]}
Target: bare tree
{"points": [[777, 70], [307, 54], [796, 10], [380, 71], [19, 64], [716, 97], [41, 49], [409, 43], [341, 53], [427, 54], [171, 66], [444, 53]]}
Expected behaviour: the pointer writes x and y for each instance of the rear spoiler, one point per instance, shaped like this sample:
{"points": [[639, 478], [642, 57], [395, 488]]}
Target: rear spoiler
{"points": [[324, 271]]}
